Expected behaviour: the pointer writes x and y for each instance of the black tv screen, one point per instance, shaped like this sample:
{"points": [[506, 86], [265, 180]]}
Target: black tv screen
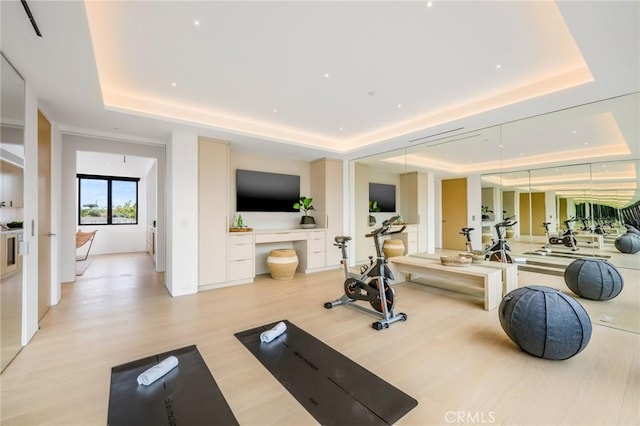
{"points": [[266, 192], [385, 195]]}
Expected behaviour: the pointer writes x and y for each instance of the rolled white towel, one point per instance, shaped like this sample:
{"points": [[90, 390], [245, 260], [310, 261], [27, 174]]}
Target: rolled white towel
{"points": [[152, 374], [269, 335]]}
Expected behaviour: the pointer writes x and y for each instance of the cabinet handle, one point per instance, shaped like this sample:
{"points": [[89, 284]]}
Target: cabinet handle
{"points": [[50, 234]]}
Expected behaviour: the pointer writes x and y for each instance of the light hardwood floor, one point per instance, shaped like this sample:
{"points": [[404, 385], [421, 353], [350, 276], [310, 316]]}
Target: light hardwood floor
{"points": [[451, 355]]}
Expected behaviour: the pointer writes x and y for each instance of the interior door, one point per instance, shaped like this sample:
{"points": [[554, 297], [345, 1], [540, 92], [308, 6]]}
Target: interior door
{"points": [[454, 213], [44, 215]]}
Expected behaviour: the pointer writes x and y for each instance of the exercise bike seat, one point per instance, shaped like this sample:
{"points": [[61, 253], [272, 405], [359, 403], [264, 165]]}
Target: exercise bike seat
{"points": [[546, 223], [341, 239], [466, 230]]}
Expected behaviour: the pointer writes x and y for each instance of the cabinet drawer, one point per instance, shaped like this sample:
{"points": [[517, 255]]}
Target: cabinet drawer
{"points": [[240, 269], [240, 251], [316, 235], [277, 237], [315, 245], [240, 239], [315, 260]]}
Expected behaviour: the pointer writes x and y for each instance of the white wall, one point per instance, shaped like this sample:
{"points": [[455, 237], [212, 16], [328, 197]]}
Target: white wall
{"points": [[550, 211], [56, 198], [474, 208]]}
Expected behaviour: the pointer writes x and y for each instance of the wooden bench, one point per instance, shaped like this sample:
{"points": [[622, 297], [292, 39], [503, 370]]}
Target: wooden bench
{"points": [[480, 281], [509, 270]]}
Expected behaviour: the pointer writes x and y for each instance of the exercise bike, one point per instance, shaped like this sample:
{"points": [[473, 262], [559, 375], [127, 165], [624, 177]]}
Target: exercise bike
{"points": [[373, 284], [468, 244], [499, 251], [567, 238]]}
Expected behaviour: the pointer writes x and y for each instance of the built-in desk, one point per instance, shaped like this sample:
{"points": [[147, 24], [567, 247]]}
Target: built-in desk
{"points": [[309, 245], [248, 251]]}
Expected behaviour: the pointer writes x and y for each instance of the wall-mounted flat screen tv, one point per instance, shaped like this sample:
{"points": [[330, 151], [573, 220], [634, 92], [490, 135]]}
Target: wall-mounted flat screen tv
{"points": [[266, 192], [385, 195]]}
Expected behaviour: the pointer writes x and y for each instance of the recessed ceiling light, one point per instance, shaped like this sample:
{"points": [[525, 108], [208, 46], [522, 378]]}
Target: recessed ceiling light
{"points": [[500, 146], [574, 132], [341, 128], [275, 110], [498, 66], [173, 83], [521, 154], [196, 22], [429, 3], [399, 105], [326, 75], [586, 143]]}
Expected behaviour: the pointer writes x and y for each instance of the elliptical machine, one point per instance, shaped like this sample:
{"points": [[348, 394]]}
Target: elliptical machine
{"points": [[373, 277], [567, 238]]}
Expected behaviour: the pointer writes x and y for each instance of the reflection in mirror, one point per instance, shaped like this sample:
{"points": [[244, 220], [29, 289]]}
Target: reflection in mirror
{"points": [[12, 108], [580, 163], [443, 172]]}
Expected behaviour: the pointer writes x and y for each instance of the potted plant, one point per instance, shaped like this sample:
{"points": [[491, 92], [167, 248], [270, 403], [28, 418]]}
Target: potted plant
{"points": [[373, 207], [306, 221], [486, 213]]}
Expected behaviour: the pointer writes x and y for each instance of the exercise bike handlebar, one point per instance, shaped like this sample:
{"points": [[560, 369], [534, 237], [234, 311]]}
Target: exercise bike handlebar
{"points": [[384, 229], [507, 222]]}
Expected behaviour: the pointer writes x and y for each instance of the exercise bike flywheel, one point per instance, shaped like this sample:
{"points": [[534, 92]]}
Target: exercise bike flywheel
{"points": [[389, 294]]}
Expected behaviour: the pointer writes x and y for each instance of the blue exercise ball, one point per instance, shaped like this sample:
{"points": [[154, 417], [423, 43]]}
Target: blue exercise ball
{"points": [[593, 279], [545, 322], [628, 243]]}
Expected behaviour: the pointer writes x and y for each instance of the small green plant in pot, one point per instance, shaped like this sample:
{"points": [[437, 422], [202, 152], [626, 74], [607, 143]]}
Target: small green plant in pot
{"points": [[306, 221], [373, 207]]}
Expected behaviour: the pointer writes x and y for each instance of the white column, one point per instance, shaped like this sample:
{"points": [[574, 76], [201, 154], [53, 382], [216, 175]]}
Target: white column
{"points": [[181, 276]]}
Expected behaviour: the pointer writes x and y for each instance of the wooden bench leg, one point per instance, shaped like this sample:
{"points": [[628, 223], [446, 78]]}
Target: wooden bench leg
{"points": [[492, 292]]}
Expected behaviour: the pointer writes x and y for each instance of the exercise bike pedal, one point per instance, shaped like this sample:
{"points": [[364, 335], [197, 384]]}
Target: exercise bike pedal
{"points": [[328, 305]]}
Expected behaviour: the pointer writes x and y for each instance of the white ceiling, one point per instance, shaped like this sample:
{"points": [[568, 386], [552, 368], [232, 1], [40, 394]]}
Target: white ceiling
{"points": [[107, 68]]}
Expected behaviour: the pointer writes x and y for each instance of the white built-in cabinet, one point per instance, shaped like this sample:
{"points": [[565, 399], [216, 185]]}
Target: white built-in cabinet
{"points": [[410, 239], [241, 258], [413, 205], [326, 191], [316, 255], [229, 258], [213, 200]]}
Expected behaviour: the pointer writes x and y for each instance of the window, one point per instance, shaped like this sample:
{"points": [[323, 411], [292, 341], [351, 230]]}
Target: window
{"points": [[107, 200]]}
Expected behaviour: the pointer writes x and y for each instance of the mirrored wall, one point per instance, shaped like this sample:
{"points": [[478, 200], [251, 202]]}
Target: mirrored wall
{"points": [[573, 169], [12, 107]]}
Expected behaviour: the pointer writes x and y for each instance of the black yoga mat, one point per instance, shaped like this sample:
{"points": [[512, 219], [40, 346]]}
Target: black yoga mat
{"points": [[187, 395], [334, 389]]}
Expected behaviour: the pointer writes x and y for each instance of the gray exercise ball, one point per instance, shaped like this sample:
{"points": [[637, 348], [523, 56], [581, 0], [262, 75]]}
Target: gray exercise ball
{"points": [[628, 243], [593, 279], [545, 322]]}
